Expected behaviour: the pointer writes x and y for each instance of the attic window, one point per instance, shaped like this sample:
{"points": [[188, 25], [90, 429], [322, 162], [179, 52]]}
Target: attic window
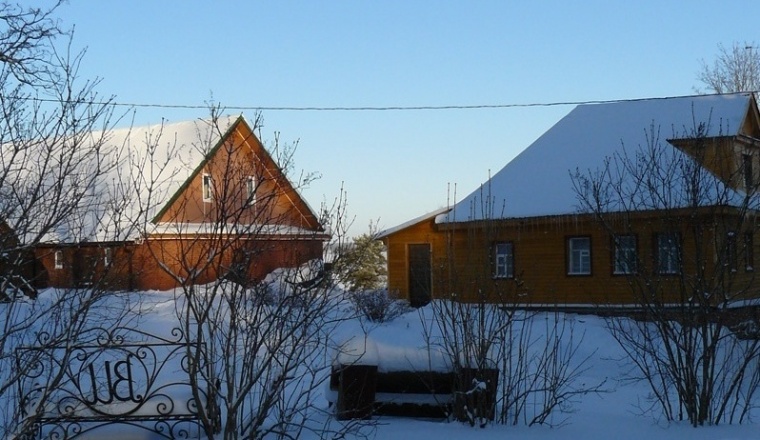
{"points": [[107, 256], [731, 251], [58, 259], [207, 188], [250, 190], [749, 252], [749, 180]]}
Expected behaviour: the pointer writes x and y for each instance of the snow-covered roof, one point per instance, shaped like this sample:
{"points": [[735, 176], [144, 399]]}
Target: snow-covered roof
{"points": [[386, 232], [158, 159], [133, 176], [152, 164], [538, 181], [254, 230]]}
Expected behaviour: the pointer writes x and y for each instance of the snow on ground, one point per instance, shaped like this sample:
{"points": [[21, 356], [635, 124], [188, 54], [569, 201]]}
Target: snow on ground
{"points": [[613, 414], [610, 415]]}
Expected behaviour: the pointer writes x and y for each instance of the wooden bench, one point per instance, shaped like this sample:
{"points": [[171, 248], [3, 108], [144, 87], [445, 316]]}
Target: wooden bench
{"points": [[360, 391]]}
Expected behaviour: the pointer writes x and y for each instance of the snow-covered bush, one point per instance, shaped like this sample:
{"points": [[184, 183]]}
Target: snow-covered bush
{"points": [[683, 346], [537, 355], [377, 305], [700, 371]]}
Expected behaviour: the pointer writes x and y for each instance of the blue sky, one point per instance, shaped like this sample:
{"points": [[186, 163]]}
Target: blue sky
{"points": [[397, 165]]}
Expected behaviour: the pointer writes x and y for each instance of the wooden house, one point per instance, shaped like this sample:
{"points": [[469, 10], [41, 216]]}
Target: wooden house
{"points": [[188, 202], [615, 201]]}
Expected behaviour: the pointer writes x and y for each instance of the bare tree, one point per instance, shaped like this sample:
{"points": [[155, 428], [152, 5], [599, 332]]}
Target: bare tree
{"points": [[257, 335], [735, 69], [513, 366], [54, 159], [681, 342]]}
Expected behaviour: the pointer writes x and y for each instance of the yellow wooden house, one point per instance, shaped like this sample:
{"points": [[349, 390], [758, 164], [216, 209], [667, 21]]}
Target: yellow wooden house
{"points": [[613, 194]]}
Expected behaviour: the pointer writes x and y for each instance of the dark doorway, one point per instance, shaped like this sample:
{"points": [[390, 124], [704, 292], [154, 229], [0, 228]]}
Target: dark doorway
{"points": [[419, 274], [84, 270]]}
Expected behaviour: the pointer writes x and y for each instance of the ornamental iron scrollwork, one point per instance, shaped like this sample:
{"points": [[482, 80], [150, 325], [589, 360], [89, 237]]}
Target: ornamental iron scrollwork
{"points": [[122, 376]]}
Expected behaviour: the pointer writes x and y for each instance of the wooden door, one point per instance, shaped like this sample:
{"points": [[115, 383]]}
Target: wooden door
{"points": [[419, 274]]}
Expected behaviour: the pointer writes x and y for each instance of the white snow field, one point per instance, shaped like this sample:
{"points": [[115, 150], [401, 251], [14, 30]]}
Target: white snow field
{"points": [[619, 412]]}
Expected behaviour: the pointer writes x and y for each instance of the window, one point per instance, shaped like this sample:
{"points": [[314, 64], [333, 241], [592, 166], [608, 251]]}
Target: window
{"points": [[208, 190], [749, 180], [579, 256], [58, 259], [107, 256], [668, 253], [624, 254], [504, 264], [730, 260], [251, 190], [749, 252]]}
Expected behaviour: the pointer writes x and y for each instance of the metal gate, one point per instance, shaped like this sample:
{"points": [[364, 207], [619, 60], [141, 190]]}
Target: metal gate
{"points": [[122, 378]]}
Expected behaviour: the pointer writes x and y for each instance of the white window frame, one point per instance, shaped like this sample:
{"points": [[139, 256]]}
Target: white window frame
{"points": [[107, 256], [207, 187], [579, 255], [625, 254], [250, 190], [668, 253], [504, 260], [58, 259]]}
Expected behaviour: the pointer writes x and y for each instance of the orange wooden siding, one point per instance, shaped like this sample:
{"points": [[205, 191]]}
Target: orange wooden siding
{"points": [[463, 260], [147, 266]]}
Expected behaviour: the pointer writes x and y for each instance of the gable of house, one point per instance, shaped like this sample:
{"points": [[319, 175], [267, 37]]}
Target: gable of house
{"points": [[154, 175], [236, 173]]}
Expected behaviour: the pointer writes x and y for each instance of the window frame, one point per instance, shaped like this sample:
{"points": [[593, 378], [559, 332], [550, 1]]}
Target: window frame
{"points": [[749, 251], [509, 262], [58, 259], [748, 172], [732, 257], [658, 253], [250, 187], [207, 187], [107, 256], [615, 254], [570, 249]]}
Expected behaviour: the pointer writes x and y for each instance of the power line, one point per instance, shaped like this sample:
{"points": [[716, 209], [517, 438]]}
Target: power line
{"points": [[360, 108]]}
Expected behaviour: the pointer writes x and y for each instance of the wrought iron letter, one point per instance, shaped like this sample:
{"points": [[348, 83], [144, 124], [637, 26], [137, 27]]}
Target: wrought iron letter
{"points": [[124, 377]]}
